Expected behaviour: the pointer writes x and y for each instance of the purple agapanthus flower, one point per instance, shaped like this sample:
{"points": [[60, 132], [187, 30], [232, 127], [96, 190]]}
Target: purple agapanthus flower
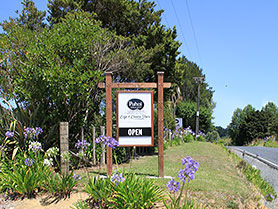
{"points": [[101, 139], [173, 185], [112, 143], [29, 162], [107, 140], [186, 174], [9, 134], [187, 160], [76, 177], [117, 177], [83, 144], [32, 132], [189, 170]]}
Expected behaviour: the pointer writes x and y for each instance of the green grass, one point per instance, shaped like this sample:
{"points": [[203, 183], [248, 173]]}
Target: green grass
{"points": [[271, 143], [217, 183]]}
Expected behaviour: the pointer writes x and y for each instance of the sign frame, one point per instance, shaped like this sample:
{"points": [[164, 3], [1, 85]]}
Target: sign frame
{"points": [[152, 119]]}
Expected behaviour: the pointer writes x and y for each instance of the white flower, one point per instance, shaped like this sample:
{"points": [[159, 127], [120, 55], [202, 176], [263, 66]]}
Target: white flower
{"points": [[35, 146], [52, 152], [48, 162]]}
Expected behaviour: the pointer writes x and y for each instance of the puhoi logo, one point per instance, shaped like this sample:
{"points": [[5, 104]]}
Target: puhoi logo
{"points": [[135, 104]]}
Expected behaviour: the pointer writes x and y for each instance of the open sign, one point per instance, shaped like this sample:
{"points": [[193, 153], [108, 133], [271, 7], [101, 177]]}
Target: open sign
{"points": [[135, 118]]}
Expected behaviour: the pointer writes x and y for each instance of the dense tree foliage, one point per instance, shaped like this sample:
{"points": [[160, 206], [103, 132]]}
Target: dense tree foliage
{"points": [[56, 65], [221, 131], [249, 124], [61, 66], [187, 111]]}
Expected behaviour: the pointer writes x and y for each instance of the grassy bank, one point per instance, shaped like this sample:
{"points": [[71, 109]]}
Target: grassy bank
{"points": [[218, 182]]}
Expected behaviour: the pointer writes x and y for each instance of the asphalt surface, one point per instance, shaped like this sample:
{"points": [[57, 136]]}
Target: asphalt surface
{"points": [[268, 153]]}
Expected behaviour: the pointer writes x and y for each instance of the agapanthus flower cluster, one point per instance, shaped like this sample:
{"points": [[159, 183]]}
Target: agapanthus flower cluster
{"points": [[179, 132], [48, 162], [9, 134], [76, 177], [188, 130], [52, 152], [35, 146], [83, 144], [32, 132], [167, 129], [29, 162], [186, 174], [101, 139], [173, 185], [200, 134], [117, 177], [269, 138], [107, 140]]}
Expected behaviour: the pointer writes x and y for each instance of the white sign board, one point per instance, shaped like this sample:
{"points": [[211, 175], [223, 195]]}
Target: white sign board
{"points": [[135, 118], [179, 122]]}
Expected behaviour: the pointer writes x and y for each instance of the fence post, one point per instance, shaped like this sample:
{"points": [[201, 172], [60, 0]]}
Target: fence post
{"points": [[64, 144], [102, 130], [94, 145]]}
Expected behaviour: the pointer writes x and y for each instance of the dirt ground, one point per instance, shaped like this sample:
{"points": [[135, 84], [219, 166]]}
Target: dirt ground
{"points": [[44, 202]]}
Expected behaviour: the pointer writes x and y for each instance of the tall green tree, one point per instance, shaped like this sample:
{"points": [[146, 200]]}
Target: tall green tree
{"points": [[272, 113], [125, 17], [60, 66], [253, 126], [188, 87], [30, 17], [238, 118], [136, 20]]}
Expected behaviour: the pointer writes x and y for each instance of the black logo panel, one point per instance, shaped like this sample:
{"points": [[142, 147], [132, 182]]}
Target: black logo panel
{"points": [[135, 104]]}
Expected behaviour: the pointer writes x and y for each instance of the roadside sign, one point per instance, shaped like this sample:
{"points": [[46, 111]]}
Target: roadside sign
{"points": [[135, 118], [178, 122]]}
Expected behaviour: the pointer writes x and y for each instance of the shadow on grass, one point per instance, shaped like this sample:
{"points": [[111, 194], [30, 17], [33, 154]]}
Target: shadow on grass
{"points": [[137, 173]]}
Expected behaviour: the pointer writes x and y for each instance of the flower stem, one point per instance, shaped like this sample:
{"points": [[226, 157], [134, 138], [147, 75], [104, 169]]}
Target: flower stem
{"points": [[179, 197]]}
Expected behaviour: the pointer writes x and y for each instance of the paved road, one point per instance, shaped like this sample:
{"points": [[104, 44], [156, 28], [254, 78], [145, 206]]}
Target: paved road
{"points": [[268, 153]]}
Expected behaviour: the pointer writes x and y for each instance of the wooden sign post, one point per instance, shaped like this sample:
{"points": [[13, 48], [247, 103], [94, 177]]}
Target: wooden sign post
{"points": [[160, 85]]}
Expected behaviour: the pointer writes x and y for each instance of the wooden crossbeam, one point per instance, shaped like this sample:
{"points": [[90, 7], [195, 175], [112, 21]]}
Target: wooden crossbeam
{"points": [[134, 85]]}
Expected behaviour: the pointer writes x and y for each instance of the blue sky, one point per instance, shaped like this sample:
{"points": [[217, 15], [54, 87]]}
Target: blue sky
{"points": [[237, 42]]}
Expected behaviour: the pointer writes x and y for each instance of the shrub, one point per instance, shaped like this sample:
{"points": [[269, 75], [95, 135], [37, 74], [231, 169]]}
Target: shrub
{"points": [[188, 138], [99, 190], [270, 142], [123, 192], [224, 141], [23, 175], [135, 192], [212, 136], [62, 184]]}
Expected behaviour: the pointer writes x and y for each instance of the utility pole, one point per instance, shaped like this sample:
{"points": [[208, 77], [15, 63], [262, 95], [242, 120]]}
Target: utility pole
{"points": [[198, 80]]}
